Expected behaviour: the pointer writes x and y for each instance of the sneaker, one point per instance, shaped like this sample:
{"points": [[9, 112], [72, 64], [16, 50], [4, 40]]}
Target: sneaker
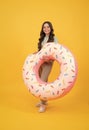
{"points": [[42, 108]]}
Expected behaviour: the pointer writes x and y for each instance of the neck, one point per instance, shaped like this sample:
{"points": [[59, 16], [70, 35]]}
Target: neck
{"points": [[47, 35]]}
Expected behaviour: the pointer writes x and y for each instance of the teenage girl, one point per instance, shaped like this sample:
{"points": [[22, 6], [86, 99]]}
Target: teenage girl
{"points": [[46, 35]]}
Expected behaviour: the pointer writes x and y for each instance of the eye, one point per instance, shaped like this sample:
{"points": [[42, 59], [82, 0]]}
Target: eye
{"points": [[48, 27], [44, 27]]}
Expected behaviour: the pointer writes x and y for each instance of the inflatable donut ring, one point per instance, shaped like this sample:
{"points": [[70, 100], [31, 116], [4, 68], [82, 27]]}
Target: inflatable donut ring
{"points": [[64, 82]]}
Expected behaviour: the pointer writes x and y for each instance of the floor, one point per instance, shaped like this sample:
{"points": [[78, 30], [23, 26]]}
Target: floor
{"points": [[18, 111]]}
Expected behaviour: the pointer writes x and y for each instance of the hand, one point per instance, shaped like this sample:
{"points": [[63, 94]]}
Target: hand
{"points": [[47, 59]]}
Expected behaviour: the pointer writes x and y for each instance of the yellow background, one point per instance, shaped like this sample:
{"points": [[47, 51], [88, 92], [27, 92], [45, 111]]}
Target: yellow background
{"points": [[20, 24]]}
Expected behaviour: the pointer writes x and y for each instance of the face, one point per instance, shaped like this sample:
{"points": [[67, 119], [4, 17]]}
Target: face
{"points": [[46, 29]]}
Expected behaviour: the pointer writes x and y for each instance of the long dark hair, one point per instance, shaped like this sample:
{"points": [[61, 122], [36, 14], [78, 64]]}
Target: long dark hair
{"points": [[42, 34]]}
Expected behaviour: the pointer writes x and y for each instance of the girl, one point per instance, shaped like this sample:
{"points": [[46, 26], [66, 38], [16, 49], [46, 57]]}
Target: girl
{"points": [[46, 35]]}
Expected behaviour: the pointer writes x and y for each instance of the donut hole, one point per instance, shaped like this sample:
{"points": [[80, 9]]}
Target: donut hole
{"points": [[55, 72], [49, 71]]}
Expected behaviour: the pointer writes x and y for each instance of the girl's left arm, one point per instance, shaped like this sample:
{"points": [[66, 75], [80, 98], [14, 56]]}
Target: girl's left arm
{"points": [[55, 40]]}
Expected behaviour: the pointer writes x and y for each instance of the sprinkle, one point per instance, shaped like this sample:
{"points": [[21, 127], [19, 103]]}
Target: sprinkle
{"points": [[57, 92], [27, 72], [39, 53], [59, 84], [32, 87], [65, 74], [27, 78], [32, 74], [50, 49], [56, 56], [63, 89], [52, 86], [66, 68], [35, 82], [72, 66], [40, 85], [70, 82], [67, 50], [63, 82], [30, 67], [23, 69], [48, 91], [40, 58], [26, 62], [33, 94], [73, 76], [63, 57], [64, 63], [72, 70], [43, 88], [60, 47], [61, 52], [31, 61], [53, 93], [37, 90], [55, 48], [29, 89], [35, 63], [70, 60], [46, 53], [69, 55], [58, 78]]}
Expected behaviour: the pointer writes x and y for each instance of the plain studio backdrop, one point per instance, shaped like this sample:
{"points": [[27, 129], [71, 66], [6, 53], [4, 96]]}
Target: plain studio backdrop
{"points": [[20, 25]]}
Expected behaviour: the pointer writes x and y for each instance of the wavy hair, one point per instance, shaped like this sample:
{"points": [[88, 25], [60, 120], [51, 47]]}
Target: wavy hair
{"points": [[42, 34]]}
